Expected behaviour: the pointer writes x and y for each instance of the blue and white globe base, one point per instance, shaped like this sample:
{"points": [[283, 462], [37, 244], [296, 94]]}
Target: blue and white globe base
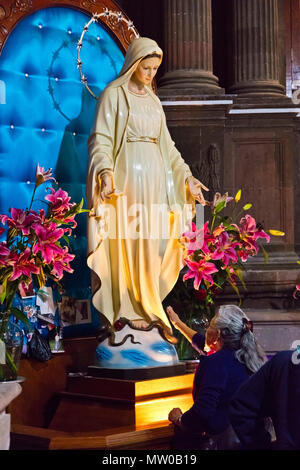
{"points": [[153, 351]]}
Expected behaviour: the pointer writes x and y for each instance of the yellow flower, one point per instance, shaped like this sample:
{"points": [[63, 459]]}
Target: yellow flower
{"points": [[247, 207], [276, 233], [238, 195]]}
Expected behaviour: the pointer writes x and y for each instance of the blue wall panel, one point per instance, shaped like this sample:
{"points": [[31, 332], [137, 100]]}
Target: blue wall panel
{"points": [[46, 116]]}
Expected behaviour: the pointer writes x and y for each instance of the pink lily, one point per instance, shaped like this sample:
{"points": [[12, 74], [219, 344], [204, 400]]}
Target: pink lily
{"points": [[209, 253], [191, 235], [196, 239], [249, 234], [61, 264], [226, 249], [42, 214], [22, 265], [68, 230], [249, 228], [42, 175], [21, 220], [4, 253], [219, 198], [200, 270], [47, 237], [245, 253], [59, 201]]}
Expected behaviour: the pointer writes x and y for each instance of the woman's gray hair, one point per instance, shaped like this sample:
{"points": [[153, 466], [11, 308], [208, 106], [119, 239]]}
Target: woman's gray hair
{"points": [[236, 335]]}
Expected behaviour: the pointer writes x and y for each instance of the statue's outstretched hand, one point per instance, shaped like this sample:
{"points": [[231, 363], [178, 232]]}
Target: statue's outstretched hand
{"points": [[196, 189], [107, 186], [103, 189]]}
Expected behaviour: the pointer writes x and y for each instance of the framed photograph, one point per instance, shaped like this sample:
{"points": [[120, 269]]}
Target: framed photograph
{"points": [[83, 311], [73, 311]]}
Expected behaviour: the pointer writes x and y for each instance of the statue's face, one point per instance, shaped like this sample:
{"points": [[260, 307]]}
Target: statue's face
{"points": [[147, 69]]}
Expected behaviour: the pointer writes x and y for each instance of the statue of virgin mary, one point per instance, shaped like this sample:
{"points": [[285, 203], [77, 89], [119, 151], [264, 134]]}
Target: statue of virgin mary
{"points": [[138, 184]]}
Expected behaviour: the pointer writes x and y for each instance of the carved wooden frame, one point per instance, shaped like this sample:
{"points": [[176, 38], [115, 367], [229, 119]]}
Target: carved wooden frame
{"points": [[14, 11]]}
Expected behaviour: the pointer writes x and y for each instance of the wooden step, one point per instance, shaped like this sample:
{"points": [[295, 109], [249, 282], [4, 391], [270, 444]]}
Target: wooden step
{"points": [[95, 403], [151, 437]]}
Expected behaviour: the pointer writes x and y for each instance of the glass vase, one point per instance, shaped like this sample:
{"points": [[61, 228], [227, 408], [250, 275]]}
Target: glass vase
{"points": [[11, 343]]}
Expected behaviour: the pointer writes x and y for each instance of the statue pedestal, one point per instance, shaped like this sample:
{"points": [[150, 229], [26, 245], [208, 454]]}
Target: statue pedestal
{"points": [[97, 403], [143, 373]]}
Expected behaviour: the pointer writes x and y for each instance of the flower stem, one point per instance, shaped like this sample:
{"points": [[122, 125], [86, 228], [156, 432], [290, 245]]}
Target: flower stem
{"points": [[213, 221], [32, 197]]}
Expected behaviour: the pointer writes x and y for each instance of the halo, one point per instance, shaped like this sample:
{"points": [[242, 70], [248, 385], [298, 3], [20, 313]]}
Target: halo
{"points": [[56, 105], [96, 16]]}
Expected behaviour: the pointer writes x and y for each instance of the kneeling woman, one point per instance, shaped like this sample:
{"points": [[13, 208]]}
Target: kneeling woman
{"points": [[236, 356]]}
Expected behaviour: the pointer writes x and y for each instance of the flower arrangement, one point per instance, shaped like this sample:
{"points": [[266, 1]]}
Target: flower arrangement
{"points": [[215, 256], [34, 250]]}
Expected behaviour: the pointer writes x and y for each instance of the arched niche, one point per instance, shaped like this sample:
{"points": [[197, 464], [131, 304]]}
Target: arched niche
{"points": [[13, 11], [46, 113]]}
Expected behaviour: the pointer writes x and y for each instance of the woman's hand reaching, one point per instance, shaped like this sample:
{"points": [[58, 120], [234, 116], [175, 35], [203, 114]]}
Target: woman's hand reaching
{"points": [[174, 318], [179, 325], [175, 416], [196, 189]]}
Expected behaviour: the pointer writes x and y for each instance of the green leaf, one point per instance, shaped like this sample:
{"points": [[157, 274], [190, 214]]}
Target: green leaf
{"points": [[239, 274], [20, 315], [3, 294], [38, 280], [218, 285], [229, 227], [11, 233], [235, 288], [66, 239], [220, 206], [76, 209], [5, 287], [11, 363], [265, 253], [41, 277], [57, 221], [5, 272]]}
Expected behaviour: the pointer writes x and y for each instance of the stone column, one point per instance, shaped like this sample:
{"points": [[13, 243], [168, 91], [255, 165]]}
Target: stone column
{"points": [[253, 49], [188, 47]]}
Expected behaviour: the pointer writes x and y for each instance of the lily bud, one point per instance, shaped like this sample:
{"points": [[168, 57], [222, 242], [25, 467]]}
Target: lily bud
{"points": [[42, 175]]}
